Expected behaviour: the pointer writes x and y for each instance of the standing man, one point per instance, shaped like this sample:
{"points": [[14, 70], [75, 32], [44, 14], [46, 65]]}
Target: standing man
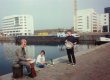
{"points": [[22, 57], [69, 43]]}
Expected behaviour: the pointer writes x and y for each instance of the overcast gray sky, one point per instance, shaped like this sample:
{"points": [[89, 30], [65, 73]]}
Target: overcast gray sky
{"points": [[49, 13]]}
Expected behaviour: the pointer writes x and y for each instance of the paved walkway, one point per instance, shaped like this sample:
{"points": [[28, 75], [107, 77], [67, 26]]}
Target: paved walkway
{"points": [[92, 66]]}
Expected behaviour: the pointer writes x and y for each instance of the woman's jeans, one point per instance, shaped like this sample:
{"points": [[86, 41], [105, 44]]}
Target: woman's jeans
{"points": [[39, 65]]}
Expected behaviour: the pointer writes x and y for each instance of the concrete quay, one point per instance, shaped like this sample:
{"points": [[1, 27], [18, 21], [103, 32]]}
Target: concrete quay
{"points": [[93, 64]]}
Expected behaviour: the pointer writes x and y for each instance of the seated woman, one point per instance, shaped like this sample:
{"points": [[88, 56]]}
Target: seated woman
{"points": [[40, 62]]}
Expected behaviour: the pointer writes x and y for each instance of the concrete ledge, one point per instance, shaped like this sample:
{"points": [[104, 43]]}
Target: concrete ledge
{"points": [[79, 53]]}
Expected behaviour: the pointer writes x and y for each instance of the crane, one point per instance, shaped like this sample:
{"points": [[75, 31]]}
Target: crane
{"points": [[75, 15]]}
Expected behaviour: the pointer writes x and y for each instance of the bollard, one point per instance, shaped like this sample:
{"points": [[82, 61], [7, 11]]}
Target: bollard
{"points": [[52, 63], [17, 71]]}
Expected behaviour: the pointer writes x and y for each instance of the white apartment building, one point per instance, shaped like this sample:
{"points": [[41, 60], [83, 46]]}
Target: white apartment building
{"points": [[104, 22], [18, 25], [86, 20]]}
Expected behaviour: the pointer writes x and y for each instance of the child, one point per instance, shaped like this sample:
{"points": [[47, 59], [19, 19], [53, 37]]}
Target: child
{"points": [[40, 62]]}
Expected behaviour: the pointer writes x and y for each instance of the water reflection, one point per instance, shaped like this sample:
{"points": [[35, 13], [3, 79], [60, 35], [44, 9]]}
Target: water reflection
{"points": [[10, 48], [9, 51], [83, 47], [52, 51], [61, 47], [78, 47], [31, 51]]}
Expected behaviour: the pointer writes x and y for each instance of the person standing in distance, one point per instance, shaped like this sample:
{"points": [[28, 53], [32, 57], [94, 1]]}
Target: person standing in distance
{"points": [[70, 41]]}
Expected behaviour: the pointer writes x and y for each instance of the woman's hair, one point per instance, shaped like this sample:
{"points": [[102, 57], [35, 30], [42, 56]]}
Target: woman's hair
{"points": [[69, 31], [42, 51]]}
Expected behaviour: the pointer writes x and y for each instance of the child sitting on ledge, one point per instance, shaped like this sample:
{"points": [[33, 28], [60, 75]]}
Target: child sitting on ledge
{"points": [[40, 62]]}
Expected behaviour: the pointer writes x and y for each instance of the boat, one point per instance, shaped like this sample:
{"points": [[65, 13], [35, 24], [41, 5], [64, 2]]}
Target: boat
{"points": [[103, 39], [56, 39]]}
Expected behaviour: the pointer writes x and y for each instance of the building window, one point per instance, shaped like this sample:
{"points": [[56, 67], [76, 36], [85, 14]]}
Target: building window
{"points": [[79, 28], [94, 27], [24, 16], [79, 19], [80, 25], [17, 31], [79, 16], [79, 22], [17, 21], [20, 33], [87, 22], [25, 33], [21, 19], [94, 30]]}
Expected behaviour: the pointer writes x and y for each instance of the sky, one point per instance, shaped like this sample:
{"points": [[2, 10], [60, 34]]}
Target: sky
{"points": [[49, 14]]}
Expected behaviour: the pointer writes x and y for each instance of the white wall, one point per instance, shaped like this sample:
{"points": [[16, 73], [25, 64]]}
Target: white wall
{"points": [[104, 20], [86, 20], [25, 25]]}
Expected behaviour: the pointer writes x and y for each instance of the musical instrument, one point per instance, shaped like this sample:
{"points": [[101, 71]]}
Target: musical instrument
{"points": [[69, 44], [33, 72]]}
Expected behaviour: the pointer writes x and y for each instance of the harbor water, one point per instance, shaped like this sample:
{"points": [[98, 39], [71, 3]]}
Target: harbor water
{"points": [[7, 53]]}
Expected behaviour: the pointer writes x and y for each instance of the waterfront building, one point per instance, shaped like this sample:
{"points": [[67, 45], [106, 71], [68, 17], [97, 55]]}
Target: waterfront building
{"points": [[49, 32], [87, 20], [16, 25], [104, 22], [107, 10], [42, 34]]}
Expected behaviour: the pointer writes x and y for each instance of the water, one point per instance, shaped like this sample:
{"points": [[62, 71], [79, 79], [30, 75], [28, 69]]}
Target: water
{"points": [[7, 53]]}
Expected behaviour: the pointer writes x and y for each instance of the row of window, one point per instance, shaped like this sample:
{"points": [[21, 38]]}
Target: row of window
{"points": [[12, 21], [80, 25], [13, 27], [16, 31], [8, 19], [80, 22], [15, 23], [17, 34], [79, 28], [11, 31]]}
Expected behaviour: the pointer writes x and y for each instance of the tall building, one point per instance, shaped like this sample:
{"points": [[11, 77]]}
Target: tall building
{"points": [[107, 10], [104, 22], [87, 20], [17, 25]]}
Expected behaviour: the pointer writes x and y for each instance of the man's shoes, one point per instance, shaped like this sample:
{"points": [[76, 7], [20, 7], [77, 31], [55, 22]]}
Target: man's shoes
{"points": [[29, 75], [73, 64], [69, 63]]}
